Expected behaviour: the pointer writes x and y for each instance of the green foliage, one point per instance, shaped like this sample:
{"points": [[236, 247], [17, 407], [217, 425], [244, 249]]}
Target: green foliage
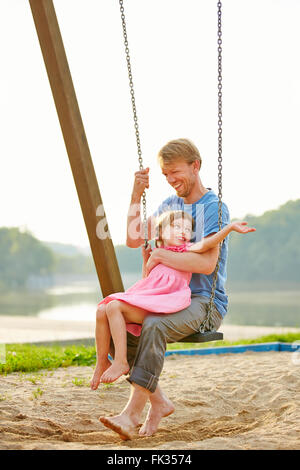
{"points": [[79, 264], [272, 253], [21, 256], [64, 249]]}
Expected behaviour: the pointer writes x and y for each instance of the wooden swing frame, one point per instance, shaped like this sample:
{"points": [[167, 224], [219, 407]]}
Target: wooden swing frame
{"points": [[68, 112]]}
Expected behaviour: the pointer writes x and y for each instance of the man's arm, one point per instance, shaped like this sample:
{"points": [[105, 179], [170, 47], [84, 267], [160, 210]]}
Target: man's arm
{"points": [[203, 263], [135, 228]]}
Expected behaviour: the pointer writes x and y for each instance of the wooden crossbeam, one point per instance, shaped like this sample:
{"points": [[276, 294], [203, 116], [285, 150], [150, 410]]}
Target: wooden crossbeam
{"points": [[76, 143]]}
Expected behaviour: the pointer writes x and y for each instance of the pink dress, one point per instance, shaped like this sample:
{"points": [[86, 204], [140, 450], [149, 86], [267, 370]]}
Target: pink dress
{"points": [[164, 290]]}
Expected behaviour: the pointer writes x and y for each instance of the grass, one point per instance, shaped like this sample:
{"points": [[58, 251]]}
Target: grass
{"points": [[29, 358], [80, 382], [37, 393]]}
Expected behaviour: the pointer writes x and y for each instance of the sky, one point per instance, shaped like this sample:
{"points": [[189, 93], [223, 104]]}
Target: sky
{"points": [[173, 47]]}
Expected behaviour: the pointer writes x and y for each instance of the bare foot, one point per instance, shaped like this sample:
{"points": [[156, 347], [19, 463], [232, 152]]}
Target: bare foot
{"points": [[156, 412], [114, 372], [121, 424], [101, 366]]}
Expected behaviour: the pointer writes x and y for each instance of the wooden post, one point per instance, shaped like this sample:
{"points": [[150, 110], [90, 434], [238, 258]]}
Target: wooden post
{"points": [[76, 143]]}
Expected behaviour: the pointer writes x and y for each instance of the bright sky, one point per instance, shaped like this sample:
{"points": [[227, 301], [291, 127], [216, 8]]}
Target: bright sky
{"points": [[173, 46]]}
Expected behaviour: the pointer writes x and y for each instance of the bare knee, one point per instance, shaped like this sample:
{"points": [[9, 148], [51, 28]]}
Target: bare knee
{"points": [[112, 307], [101, 312]]}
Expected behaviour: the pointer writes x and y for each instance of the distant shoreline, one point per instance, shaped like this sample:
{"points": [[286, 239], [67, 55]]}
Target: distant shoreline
{"points": [[20, 329], [250, 304]]}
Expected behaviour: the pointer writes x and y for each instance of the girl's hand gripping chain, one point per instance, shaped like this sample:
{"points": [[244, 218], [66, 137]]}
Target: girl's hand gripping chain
{"points": [[146, 253]]}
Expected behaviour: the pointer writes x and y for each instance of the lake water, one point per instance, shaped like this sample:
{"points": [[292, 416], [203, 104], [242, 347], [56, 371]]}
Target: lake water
{"points": [[249, 304]]}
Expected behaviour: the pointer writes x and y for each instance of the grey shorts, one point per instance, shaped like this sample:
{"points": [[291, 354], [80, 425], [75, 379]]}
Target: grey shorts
{"points": [[145, 353]]}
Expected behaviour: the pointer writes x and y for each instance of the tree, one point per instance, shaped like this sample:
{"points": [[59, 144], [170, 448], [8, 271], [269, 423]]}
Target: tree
{"points": [[22, 255]]}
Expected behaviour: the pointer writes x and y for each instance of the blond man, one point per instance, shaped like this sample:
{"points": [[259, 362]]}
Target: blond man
{"points": [[180, 163]]}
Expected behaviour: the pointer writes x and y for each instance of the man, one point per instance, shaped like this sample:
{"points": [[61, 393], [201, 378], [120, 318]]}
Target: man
{"points": [[180, 163]]}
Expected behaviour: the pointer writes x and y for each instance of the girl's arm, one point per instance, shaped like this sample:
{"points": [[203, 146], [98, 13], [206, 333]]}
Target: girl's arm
{"points": [[146, 252], [210, 242]]}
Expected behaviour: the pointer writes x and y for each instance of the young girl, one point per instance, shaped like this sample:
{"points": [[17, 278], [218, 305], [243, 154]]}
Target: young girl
{"points": [[164, 290]]}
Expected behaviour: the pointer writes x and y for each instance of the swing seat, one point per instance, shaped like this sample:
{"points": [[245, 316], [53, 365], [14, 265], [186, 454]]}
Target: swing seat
{"points": [[203, 337]]}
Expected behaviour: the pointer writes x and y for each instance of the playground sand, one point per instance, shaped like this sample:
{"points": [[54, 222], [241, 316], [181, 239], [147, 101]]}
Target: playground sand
{"points": [[232, 401]]}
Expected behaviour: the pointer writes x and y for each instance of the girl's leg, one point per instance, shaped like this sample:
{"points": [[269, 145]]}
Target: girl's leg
{"points": [[118, 314], [102, 338]]}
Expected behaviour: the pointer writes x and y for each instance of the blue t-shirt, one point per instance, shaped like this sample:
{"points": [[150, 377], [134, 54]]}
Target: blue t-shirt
{"points": [[205, 214]]}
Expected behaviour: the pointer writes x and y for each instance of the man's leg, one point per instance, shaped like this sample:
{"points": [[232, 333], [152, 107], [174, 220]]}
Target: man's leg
{"points": [[126, 423], [156, 332], [149, 359], [161, 407]]}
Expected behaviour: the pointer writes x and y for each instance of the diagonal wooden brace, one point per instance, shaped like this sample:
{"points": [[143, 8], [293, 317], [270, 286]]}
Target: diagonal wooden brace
{"points": [[76, 143]]}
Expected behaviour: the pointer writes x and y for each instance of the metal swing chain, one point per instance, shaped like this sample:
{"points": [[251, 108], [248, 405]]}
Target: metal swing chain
{"points": [[208, 324], [136, 126]]}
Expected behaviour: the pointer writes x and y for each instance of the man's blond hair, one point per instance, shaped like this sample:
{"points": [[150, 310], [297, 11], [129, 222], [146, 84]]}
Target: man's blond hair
{"points": [[179, 149]]}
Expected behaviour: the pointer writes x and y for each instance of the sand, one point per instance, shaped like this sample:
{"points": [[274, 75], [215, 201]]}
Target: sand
{"points": [[230, 401]]}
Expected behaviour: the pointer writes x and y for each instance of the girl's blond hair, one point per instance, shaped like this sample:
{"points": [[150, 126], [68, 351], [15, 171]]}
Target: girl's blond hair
{"points": [[167, 218], [179, 149]]}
